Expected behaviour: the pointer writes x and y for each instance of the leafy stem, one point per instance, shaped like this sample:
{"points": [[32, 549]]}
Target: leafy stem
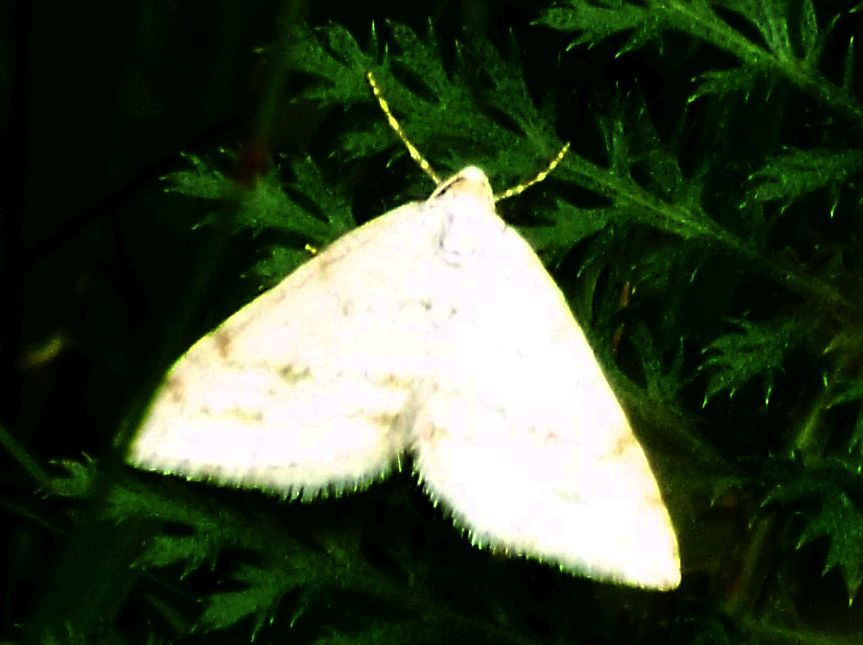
{"points": [[701, 21], [777, 56], [689, 221]]}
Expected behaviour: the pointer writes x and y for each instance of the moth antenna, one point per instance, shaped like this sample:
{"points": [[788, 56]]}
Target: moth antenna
{"points": [[421, 161], [520, 188]]}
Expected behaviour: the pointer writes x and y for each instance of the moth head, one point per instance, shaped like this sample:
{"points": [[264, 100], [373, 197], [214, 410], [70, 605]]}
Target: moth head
{"points": [[468, 186]]}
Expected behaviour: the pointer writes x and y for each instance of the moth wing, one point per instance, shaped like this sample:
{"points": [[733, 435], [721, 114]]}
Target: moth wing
{"points": [[305, 385], [522, 436]]}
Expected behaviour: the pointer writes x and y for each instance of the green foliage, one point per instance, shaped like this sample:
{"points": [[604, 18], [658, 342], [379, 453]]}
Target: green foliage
{"points": [[313, 211], [822, 495], [850, 391], [723, 185], [757, 349], [487, 109], [776, 50], [788, 177], [596, 21]]}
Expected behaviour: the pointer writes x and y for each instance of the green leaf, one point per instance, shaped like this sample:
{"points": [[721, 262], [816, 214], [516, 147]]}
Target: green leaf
{"points": [[774, 56], [848, 392], [758, 349], [308, 208], [203, 180], [565, 226], [192, 552], [851, 391], [849, 71], [840, 520], [837, 517], [76, 480], [602, 19], [661, 197], [263, 590], [334, 59], [663, 374], [770, 17], [737, 80], [788, 177], [810, 39]]}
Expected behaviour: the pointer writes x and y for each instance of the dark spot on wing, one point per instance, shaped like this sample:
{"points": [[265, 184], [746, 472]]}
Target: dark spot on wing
{"points": [[385, 419], [292, 374], [329, 258], [175, 389], [622, 445], [546, 435], [431, 432], [244, 414], [393, 381], [223, 338]]}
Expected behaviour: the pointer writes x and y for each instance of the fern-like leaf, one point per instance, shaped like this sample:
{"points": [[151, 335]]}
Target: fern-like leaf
{"points": [[756, 350], [781, 50], [263, 590], [821, 499], [790, 176], [601, 19]]}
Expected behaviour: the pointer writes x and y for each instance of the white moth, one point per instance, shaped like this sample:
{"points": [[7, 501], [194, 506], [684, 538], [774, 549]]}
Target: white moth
{"points": [[432, 330]]}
